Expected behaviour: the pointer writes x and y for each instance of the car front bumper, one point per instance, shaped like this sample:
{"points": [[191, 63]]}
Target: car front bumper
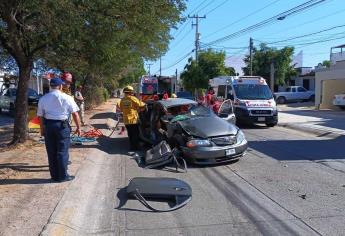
{"points": [[214, 154]]}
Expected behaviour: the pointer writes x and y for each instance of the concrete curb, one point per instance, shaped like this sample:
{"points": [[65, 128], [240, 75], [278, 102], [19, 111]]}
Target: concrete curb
{"points": [[313, 130]]}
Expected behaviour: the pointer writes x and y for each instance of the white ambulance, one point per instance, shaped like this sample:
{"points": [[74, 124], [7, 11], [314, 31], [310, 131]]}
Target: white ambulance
{"points": [[252, 98]]}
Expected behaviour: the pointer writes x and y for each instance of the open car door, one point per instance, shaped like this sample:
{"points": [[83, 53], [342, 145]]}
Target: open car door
{"points": [[226, 111]]}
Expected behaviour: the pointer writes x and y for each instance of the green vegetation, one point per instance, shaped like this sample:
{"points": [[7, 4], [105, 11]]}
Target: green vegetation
{"points": [[98, 41], [326, 63], [210, 64], [262, 59]]}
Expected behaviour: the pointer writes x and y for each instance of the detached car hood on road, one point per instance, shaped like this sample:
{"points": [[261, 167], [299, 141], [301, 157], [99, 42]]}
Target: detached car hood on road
{"points": [[205, 127]]}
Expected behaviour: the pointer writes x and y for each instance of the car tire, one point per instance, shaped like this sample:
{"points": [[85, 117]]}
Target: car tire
{"points": [[342, 108], [11, 110], [312, 98], [271, 124], [281, 100]]}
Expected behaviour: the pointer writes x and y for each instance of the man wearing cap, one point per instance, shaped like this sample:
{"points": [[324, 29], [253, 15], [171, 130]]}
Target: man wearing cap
{"points": [[130, 105], [53, 111]]}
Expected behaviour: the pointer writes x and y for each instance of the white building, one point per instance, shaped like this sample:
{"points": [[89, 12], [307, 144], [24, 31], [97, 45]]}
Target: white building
{"points": [[305, 78], [330, 81]]}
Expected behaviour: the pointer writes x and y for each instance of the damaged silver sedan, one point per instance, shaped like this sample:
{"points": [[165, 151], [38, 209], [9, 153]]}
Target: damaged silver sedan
{"points": [[201, 136]]}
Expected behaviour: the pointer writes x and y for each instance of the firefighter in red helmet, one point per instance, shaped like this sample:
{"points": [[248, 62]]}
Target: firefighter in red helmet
{"points": [[67, 78]]}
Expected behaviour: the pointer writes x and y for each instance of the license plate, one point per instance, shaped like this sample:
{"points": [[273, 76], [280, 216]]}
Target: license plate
{"points": [[261, 118], [230, 152]]}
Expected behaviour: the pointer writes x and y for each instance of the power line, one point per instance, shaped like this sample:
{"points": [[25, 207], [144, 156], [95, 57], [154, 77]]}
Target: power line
{"points": [[181, 39], [183, 26], [306, 35], [197, 7], [301, 42], [280, 16], [205, 6], [224, 47], [319, 41], [311, 21], [221, 4], [179, 60], [181, 29], [245, 17]]}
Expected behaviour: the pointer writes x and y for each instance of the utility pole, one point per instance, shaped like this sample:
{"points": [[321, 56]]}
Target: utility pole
{"points": [[272, 76], [175, 81], [160, 66], [197, 35], [251, 55], [149, 65]]}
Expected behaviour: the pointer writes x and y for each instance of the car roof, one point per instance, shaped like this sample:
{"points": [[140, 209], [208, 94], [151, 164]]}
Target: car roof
{"points": [[172, 102]]}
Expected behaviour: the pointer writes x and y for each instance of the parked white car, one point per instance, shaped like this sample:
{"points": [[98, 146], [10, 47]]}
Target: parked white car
{"points": [[294, 94], [339, 100]]}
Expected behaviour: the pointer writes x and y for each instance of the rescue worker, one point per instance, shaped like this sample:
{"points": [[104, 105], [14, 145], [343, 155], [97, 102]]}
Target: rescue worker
{"points": [[209, 96], [165, 95], [173, 95], [130, 106], [79, 99], [67, 78], [53, 111]]}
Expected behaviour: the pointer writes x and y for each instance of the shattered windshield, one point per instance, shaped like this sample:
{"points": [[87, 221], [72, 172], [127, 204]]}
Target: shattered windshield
{"points": [[189, 111]]}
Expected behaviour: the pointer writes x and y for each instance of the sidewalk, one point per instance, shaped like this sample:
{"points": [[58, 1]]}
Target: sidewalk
{"points": [[28, 196], [307, 119]]}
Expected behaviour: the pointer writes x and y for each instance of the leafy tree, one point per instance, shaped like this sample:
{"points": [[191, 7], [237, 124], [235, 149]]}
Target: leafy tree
{"points": [[92, 39], [210, 64], [262, 59], [326, 63]]}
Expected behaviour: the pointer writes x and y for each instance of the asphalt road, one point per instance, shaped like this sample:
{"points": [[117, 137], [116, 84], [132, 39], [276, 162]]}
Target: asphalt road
{"points": [[289, 183]]}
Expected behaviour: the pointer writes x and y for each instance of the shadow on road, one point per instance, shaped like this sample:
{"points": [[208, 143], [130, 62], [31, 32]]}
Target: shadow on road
{"points": [[100, 126], [283, 150], [24, 167], [103, 115], [26, 181], [109, 145]]}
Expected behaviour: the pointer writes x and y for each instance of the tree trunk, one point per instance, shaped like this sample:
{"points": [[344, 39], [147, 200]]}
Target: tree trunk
{"points": [[21, 106]]}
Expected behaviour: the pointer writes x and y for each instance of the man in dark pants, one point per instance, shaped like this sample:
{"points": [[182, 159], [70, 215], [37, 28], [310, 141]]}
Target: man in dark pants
{"points": [[53, 110], [130, 105]]}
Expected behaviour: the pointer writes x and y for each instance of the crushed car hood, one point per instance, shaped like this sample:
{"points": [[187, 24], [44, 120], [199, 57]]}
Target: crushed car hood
{"points": [[205, 127]]}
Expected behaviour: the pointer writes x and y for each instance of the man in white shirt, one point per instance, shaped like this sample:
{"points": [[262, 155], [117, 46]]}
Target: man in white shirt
{"points": [[79, 99], [53, 110]]}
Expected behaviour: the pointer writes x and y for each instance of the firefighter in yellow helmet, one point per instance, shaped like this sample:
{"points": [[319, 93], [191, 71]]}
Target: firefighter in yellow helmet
{"points": [[130, 106]]}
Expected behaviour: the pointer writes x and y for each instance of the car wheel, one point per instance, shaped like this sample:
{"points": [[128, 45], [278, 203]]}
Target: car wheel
{"points": [[11, 110], [271, 124], [312, 98], [342, 107], [281, 100]]}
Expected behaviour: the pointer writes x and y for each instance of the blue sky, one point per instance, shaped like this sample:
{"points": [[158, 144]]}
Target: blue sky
{"points": [[224, 17]]}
